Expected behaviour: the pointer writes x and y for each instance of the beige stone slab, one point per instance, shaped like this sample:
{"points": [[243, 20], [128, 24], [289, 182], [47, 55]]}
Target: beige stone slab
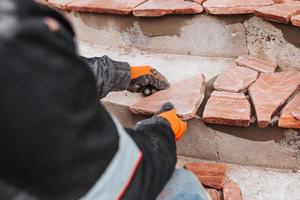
{"points": [[61, 4], [270, 92], [260, 65], [231, 191], [279, 12], [296, 20], [210, 174], [227, 108], [214, 194], [289, 117], [235, 79], [121, 7], [218, 7], [186, 96], [156, 8], [296, 112]]}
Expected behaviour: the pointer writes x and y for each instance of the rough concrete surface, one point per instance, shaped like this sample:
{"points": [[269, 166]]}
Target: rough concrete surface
{"points": [[277, 42], [200, 35], [261, 183]]}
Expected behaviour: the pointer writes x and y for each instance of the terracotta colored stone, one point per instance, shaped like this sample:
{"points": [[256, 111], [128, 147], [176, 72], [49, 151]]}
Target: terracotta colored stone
{"points": [[283, 1], [260, 65], [296, 112], [296, 20], [279, 12], [270, 92], [210, 174], [227, 108], [61, 4], [214, 194], [155, 8], [231, 191], [235, 79], [122, 7], [186, 96], [219, 7], [289, 113], [197, 1]]}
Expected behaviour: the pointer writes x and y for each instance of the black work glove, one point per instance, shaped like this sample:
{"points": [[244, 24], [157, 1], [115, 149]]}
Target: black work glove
{"points": [[167, 114], [147, 80]]}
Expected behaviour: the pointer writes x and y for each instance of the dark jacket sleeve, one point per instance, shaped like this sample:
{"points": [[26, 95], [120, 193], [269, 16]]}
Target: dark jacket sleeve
{"points": [[156, 140], [56, 138], [110, 75]]}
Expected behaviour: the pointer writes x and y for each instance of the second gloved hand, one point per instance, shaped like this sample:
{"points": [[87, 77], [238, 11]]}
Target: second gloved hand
{"points": [[147, 80], [168, 113]]}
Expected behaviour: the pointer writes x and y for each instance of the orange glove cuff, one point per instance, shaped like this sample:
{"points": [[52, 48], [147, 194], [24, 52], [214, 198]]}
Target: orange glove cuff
{"points": [[136, 72], [178, 126]]}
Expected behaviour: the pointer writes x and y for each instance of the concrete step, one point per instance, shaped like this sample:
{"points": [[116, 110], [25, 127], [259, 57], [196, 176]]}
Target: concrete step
{"points": [[199, 35], [270, 147], [261, 183]]}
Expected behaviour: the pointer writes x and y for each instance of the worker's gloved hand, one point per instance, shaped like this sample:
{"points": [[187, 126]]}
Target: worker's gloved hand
{"points": [[147, 80], [168, 113]]}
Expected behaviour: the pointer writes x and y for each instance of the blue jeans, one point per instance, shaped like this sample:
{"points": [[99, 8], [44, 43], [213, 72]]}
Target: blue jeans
{"points": [[183, 185]]}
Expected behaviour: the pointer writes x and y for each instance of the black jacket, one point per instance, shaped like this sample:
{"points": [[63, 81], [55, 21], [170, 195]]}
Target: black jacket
{"points": [[56, 138]]}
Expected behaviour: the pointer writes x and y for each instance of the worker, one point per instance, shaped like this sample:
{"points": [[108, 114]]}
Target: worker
{"points": [[57, 141]]}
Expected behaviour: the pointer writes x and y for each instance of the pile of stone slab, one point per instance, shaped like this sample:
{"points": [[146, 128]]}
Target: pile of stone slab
{"points": [[214, 177], [283, 11], [253, 81], [249, 92]]}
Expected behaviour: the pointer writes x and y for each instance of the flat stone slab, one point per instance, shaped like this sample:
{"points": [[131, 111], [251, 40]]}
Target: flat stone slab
{"points": [[214, 194], [235, 79], [231, 191], [121, 7], [279, 12], [288, 118], [219, 7], [197, 1], [256, 64], [186, 96], [227, 108], [296, 112], [61, 4], [210, 174], [296, 20], [156, 8], [270, 92]]}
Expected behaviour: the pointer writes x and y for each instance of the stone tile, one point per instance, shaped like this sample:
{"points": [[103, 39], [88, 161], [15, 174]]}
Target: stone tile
{"points": [[296, 112], [186, 96], [289, 113], [227, 108], [231, 191], [296, 20], [197, 1], [210, 174], [155, 8], [219, 7], [121, 7], [270, 92], [235, 79], [279, 12], [61, 4], [214, 194], [257, 64]]}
